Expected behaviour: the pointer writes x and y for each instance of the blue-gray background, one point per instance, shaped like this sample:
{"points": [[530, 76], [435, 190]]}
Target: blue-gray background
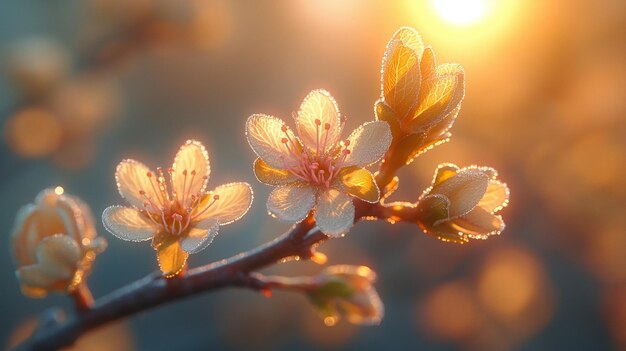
{"points": [[545, 105]]}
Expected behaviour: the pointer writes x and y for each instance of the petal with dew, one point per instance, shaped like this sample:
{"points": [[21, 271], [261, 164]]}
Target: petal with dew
{"points": [[291, 203], [384, 113], [368, 143], [445, 171], [226, 203], [191, 169], [22, 233], [128, 223], [334, 213], [265, 135], [409, 38], [272, 176], [200, 236], [496, 196], [358, 182], [171, 257], [464, 190], [478, 223], [58, 256], [401, 78], [318, 121], [132, 179], [34, 276], [442, 94]]}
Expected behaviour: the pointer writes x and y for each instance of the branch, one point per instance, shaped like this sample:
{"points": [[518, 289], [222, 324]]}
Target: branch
{"points": [[155, 290]]}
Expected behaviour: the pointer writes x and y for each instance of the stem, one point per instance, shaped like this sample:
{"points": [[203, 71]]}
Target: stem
{"points": [[83, 299], [155, 290]]}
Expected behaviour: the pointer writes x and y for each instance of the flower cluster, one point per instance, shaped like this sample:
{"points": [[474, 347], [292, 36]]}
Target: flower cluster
{"points": [[462, 202], [316, 169], [318, 177], [177, 213]]}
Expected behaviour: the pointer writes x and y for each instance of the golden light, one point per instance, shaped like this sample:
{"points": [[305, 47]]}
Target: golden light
{"points": [[33, 132], [462, 12], [456, 25], [59, 191]]}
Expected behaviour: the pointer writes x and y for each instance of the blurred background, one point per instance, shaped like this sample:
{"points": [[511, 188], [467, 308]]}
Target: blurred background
{"points": [[85, 84]]}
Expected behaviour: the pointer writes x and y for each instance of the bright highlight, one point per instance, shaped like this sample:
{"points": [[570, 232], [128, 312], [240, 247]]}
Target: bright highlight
{"points": [[461, 12]]}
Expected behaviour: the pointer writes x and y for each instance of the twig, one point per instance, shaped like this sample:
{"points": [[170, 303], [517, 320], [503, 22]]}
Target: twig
{"points": [[154, 290], [83, 299]]}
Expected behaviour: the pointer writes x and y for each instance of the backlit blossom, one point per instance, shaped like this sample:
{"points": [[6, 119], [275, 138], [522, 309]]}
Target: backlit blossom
{"points": [[462, 202], [315, 169], [54, 243], [172, 207], [347, 291], [419, 98]]}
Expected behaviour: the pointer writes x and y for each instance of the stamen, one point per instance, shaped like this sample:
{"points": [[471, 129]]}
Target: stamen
{"points": [[184, 184], [318, 123], [215, 198]]}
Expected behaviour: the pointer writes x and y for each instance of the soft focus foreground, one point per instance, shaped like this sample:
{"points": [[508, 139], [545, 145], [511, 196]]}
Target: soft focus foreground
{"points": [[544, 106]]}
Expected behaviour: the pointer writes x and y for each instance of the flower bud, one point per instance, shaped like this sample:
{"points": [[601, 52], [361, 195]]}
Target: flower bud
{"points": [[462, 202], [54, 243], [420, 99], [348, 291]]}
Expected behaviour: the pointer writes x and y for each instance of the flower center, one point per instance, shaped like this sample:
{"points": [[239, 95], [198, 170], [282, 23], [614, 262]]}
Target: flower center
{"points": [[169, 210], [319, 166]]}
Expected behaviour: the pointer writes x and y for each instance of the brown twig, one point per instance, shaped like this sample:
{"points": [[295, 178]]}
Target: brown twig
{"points": [[154, 290], [83, 299]]}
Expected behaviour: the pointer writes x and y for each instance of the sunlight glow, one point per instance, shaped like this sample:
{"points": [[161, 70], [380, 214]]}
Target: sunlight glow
{"points": [[462, 12], [59, 190]]}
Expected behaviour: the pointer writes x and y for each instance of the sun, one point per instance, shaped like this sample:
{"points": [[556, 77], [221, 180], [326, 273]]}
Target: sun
{"points": [[462, 12]]}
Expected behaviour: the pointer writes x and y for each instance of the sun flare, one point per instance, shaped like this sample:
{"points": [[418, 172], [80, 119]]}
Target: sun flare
{"points": [[462, 12]]}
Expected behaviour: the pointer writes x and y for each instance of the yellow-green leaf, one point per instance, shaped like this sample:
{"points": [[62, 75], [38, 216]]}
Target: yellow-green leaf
{"points": [[385, 113], [171, 257], [272, 176], [359, 183]]}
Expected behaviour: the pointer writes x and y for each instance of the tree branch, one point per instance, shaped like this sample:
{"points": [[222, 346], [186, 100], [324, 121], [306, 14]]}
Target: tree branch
{"points": [[155, 290]]}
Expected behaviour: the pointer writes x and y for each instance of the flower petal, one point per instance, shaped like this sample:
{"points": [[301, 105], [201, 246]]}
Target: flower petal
{"points": [[401, 77], [445, 171], [291, 203], [441, 94], [265, 135], [365, 308], [318, 121], [495, 198], [200, 236], [233, 201], [478, 224], [58, 256], [132, 178], [334, 213], [171, 258], [24, 234], [368, 143], [191, 158], [358, 182], [34, 276], [464, 190], [127, 223], [272, 176]]}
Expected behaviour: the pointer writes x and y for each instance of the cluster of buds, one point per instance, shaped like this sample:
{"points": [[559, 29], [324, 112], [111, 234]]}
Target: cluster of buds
{"points": [[318, 176], [419, 99]]}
